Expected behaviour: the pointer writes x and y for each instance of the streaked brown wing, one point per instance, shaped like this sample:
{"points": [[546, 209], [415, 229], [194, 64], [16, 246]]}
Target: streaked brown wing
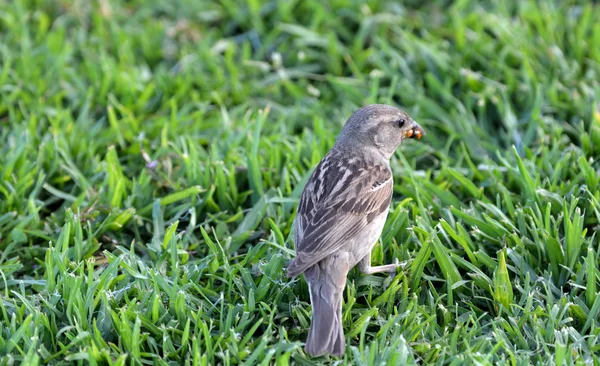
{"points": [[340, 200]]}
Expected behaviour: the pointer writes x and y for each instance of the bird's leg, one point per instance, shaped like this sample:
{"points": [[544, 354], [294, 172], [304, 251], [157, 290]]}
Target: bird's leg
{"points": [[365, 266]]}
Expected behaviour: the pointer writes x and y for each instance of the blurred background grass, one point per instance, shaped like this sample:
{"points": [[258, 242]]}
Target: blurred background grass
{"points": [[152, 154]]}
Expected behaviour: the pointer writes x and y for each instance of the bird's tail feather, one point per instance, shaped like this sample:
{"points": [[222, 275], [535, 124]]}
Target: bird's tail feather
{"points": [[326, 333]]}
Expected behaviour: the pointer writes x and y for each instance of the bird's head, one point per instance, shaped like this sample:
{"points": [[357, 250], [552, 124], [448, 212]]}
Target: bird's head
{"points": [[380, 126]]}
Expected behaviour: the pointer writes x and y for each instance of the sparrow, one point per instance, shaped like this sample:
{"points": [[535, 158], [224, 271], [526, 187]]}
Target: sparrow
{"points": [[341, 214]]}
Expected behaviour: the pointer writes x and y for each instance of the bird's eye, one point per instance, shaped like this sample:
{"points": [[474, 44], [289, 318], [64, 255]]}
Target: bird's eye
{"points": [[400, 123]]}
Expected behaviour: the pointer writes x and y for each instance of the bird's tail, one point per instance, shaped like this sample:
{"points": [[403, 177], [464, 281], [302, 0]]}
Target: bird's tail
{"points": [[326, 333]]}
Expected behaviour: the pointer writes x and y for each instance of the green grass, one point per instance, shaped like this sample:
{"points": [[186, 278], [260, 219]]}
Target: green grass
{"points": [[152, 154]]}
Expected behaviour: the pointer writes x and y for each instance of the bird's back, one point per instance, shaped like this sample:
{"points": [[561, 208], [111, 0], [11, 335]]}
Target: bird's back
{"points": [[346, 198]]}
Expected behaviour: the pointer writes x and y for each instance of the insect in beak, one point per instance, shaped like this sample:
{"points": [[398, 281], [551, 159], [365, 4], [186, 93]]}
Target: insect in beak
{"points": [[415, 132]]}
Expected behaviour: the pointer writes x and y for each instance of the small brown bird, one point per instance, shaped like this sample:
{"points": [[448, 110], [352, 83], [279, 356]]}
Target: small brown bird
{"points": [[341, 214]]}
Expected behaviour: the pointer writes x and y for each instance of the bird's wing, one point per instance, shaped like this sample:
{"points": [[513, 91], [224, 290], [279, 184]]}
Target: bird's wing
{"points": [[341, 199]]}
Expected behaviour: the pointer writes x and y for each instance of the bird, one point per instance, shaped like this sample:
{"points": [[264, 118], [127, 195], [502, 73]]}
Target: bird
{"points": [[341, 214]]}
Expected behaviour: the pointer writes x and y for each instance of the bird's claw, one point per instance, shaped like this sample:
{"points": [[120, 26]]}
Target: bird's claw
{"points": [[402, 265], [393, 272], [397, 264]]}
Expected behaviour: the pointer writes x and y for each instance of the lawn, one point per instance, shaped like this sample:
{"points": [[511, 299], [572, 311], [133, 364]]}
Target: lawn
{"points": [[152, 154]]}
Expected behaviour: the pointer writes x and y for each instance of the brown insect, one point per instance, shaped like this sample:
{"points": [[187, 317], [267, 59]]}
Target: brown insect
{"points": [[414, 133]]}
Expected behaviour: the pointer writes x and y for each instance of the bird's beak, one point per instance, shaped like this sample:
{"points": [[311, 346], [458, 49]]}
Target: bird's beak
{"points": [[414, 132]]}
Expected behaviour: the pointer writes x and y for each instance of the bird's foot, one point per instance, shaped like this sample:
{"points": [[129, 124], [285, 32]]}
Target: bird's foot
{"points": [[393, 271]]}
